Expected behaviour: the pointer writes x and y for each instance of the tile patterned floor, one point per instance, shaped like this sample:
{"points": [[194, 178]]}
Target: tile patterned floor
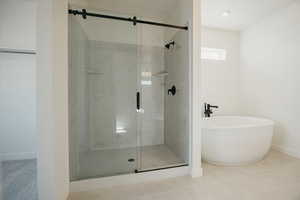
{"points": [[275, 178], [18, 180]]}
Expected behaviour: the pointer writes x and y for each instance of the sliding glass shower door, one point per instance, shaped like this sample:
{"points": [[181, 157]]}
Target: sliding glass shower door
{"points": [[164, 117], [124, 115], [103, 88]]}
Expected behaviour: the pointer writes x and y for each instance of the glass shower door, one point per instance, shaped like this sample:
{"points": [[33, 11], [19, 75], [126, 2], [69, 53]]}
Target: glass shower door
{"points": [[103, 87], [164, 119]]}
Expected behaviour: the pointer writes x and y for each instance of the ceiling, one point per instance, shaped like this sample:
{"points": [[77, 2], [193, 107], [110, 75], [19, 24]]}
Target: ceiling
{"points": [[243, 13], [154, 9]]}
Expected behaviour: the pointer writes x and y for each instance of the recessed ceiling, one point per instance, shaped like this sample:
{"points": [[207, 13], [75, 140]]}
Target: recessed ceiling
{"points": [[154, 9], [242, 13]]}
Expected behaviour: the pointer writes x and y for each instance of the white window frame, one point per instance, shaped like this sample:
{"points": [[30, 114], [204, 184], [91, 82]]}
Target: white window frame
{"points": [[213, 54]]}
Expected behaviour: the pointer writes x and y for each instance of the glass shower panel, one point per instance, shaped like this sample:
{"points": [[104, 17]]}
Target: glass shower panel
{"points": [[164, 120], [103, 86]]}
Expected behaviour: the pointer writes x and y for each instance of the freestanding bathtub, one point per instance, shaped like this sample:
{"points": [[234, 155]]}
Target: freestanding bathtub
{"points": [[235, 140]]}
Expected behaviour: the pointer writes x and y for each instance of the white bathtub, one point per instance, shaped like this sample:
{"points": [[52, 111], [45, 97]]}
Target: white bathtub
{"points": [[235, 140]]}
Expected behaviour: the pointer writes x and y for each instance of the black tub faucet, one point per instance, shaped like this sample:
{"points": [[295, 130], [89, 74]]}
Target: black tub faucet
{"points": [[208, 109]]}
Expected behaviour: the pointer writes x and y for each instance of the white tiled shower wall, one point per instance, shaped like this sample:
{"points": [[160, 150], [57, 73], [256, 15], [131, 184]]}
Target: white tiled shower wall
{"points": [[104, 82], [177, 106]]}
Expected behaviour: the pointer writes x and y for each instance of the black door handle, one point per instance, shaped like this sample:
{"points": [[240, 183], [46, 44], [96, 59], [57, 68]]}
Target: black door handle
{"points": [[138, 101]]}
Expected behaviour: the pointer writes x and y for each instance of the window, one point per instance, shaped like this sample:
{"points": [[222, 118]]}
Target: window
{"points": [[213, 54], [146, 83]]}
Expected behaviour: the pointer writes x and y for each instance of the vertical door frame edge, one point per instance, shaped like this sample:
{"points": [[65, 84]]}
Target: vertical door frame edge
{"points": [[195, 88]]}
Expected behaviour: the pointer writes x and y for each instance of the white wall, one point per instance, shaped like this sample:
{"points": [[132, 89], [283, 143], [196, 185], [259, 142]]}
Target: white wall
{"points": [[18, 136], [17, 107], [220, 79], [52, 99], [17, 24], [270, 82]]}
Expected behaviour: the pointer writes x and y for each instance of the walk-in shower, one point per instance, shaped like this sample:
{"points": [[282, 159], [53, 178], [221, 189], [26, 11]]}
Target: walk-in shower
{"points": [[123, 117]]}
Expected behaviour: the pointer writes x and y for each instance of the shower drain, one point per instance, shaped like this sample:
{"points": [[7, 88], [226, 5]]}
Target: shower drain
{"points": [[131, 160]]}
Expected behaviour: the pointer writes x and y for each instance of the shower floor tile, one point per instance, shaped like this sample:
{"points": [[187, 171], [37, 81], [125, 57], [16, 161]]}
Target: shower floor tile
{"points": [[111, 162], [158, 156]]}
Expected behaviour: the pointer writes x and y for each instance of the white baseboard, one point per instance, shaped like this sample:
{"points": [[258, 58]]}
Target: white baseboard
{"points": [[291, 152], [17, 156], [196, 173], [93, 184]]}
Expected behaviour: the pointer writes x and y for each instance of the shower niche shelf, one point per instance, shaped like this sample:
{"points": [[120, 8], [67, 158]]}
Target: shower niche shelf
{"points": [[161, 74], [94, 72], [17, 51]]}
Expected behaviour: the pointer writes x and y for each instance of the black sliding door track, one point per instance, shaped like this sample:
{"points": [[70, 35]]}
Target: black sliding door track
{"points": [[162, 168], [134, 19]]}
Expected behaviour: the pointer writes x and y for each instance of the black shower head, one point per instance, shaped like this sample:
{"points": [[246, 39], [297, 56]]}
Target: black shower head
{"points": [[169, 44]]}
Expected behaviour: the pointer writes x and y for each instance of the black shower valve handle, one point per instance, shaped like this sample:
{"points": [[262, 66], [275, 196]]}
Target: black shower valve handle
{"points": [[172, 90]]}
